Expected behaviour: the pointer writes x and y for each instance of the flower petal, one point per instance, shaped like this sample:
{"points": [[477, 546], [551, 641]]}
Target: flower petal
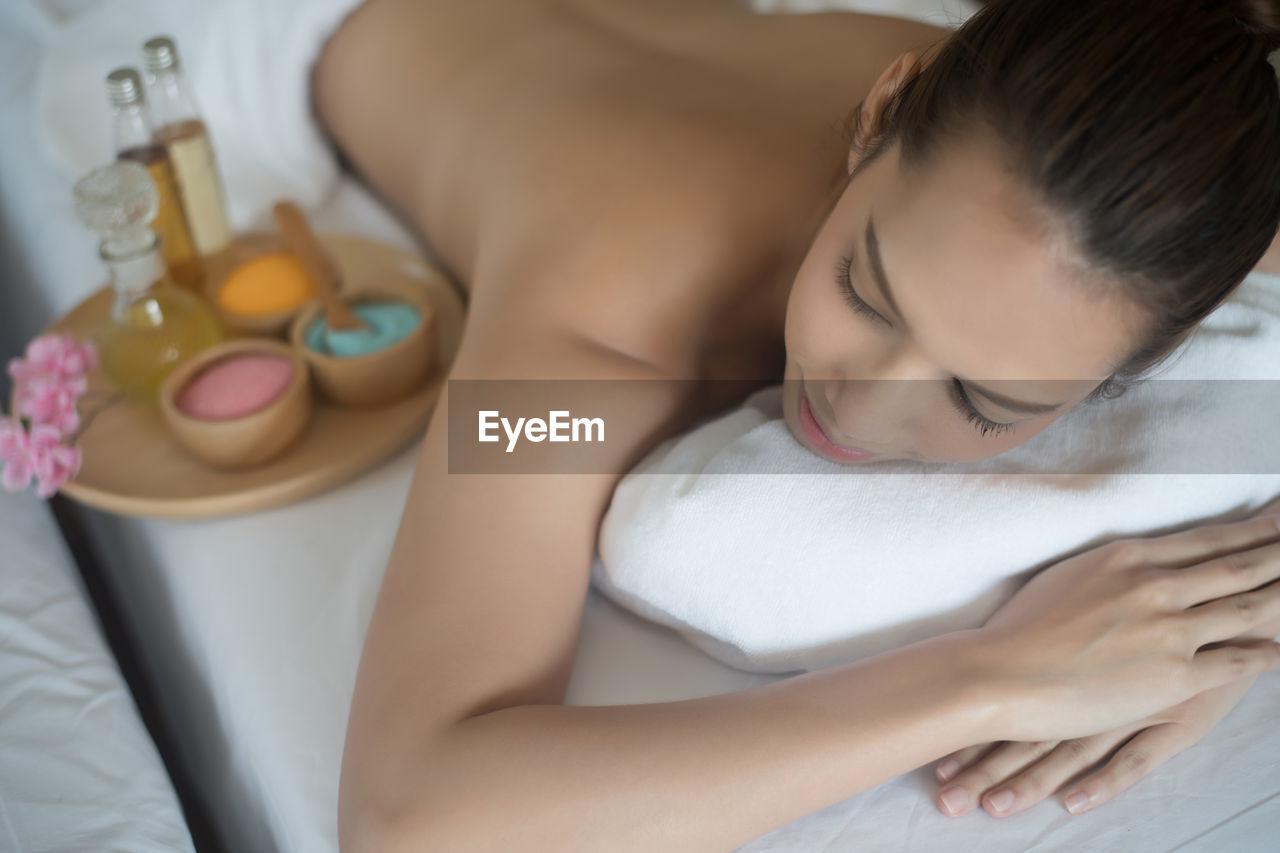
{"points": [[16, 475]]}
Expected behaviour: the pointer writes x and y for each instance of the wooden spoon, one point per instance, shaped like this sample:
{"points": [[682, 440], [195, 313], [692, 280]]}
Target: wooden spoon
{"points": [[299, 238]]}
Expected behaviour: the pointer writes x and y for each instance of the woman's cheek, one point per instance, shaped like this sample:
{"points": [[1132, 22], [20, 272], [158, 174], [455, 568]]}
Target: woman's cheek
{"points": [[813, 326]]}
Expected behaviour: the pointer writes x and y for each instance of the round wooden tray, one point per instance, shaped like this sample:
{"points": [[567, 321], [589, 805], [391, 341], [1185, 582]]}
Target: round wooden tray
{"points": [[132, 466]]}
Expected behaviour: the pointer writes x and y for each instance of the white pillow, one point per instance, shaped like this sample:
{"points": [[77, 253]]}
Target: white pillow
{"points": [[773, 559]]}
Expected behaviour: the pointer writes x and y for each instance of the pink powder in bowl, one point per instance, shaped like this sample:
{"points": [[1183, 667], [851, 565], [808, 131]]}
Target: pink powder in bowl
{"points": [[235, 387]]}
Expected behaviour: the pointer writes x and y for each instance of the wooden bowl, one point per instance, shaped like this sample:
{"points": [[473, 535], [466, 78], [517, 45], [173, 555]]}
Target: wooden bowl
{"points": [[250, 440], [382, 376], [247, 248]]}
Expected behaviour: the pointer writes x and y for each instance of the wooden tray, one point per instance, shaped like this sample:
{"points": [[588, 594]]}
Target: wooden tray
{"points": [[131, 465]]}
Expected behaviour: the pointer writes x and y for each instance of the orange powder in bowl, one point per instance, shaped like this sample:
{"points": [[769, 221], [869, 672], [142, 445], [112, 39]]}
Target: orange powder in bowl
{"points": [[268, 284]]}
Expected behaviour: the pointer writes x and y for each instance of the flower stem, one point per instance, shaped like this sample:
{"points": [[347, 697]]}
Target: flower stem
{"points": [[109, 401]]}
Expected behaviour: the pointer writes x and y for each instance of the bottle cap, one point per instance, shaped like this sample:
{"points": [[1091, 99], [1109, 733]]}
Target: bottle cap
{"points": [[160, 54], [124, 86], [118, 202]]}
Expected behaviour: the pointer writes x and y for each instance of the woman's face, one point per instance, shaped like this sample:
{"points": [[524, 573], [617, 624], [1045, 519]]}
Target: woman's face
{"points": [[954, 289]]}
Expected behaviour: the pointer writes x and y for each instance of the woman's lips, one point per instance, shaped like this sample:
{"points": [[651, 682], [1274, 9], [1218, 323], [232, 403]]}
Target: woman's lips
{"points": [[813, 429]]}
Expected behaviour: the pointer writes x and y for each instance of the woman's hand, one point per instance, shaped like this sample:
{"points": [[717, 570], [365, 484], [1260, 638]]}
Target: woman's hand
{"points": [[1113, 636], [1009, 777]]}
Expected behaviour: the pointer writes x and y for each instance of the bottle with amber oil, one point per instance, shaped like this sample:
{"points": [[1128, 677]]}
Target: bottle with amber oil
{"points": [[184, 135], [153, 325], [134, 139]]}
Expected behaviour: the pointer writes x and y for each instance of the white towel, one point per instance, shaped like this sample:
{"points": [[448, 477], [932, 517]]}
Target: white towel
{"points": [[822, 564]]}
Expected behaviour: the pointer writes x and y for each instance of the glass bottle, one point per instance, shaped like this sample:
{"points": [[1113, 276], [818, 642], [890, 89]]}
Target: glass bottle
{"points": [[154, 324], [184, 135], [134, 139]]}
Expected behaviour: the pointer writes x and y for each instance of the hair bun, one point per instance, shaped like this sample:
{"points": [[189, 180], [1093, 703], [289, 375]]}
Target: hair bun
{"points": [[1259, 18]]}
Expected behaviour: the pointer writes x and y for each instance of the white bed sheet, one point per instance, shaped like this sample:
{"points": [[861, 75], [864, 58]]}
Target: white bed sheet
{"points": [[78, 771], [252, 625]]}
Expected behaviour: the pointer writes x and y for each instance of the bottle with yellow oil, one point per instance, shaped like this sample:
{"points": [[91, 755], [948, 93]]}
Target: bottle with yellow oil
{"points": [[134, 139], [154, 325], [182, 131]]}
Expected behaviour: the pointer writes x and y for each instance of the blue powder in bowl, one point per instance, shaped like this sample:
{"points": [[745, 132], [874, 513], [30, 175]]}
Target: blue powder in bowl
{"points": [[388, 322]]}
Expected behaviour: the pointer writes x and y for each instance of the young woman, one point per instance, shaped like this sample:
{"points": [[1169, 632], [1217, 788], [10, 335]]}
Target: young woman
{"points": [[1026, 213]]}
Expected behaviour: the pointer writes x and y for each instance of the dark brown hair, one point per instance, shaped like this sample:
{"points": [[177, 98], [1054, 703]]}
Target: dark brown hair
{"points": [[1149, 129]]}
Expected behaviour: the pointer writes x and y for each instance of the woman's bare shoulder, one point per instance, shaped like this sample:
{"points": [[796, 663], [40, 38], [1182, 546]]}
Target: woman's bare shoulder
{"points": [[641, 165]]}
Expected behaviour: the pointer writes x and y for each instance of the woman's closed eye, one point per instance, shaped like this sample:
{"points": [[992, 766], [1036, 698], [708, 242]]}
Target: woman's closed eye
{"points": [[851, 296], [959, 397], [964, 406]]}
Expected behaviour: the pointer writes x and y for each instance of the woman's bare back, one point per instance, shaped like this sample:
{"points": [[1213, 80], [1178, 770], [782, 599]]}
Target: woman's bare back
{"points": [[696, 144], [625, 189]]}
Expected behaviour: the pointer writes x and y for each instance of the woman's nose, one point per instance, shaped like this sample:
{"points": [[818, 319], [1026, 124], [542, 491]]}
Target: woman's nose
{"points": [[876, 405]]}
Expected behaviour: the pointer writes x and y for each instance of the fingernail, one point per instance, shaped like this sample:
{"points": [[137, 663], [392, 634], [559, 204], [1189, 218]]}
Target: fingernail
{"points": [[1077, 802], [955, 800], [948, 768], [1001, 801]]}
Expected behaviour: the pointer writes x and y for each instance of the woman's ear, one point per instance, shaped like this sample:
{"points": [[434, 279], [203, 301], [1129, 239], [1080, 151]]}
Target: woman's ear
{"points": [[1270, 263], [869, 125]]}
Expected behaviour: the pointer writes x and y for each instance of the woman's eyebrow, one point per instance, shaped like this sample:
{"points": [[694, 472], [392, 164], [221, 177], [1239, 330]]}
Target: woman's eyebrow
{"points": [[881, 280]]}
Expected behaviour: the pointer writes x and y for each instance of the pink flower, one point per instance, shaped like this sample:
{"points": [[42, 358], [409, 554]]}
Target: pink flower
{"points": [[54, 462], [49, 399], [48, 381], [15, 453], [55, 355]]}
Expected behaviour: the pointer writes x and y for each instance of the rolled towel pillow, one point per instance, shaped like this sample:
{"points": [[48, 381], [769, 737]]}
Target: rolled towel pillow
{"points": [[772, 559]]}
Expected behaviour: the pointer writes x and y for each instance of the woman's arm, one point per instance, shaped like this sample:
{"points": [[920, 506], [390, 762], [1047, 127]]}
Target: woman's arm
{"points": [[698, 775], [457, 739]]}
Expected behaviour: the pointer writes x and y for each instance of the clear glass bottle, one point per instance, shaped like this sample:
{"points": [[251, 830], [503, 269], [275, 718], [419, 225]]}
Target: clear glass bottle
{"points": [[154, 325], [134, 139], [183, 133]]}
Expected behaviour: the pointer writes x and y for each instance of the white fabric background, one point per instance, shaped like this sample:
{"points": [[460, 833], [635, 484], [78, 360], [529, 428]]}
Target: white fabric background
{"points": [[78, 771]]}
